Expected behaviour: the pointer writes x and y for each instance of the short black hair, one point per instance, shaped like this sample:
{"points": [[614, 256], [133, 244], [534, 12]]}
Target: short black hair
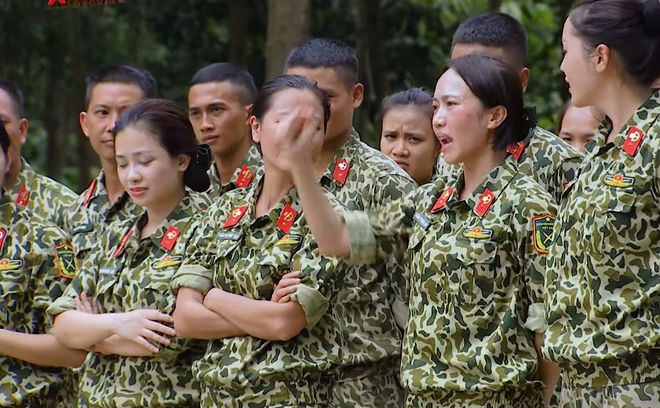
{"points": [[124, 74], [226, 72], [264, 100], [170, 125], [496, 83], [326, 53], [417, 97], [4, 139], [631, 29], [494, 29], [15, 96]]}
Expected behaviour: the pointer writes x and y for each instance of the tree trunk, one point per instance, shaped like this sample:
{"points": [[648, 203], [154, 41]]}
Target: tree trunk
{"points": [[289, 24], [494, 5], [373, 67], [238, 20]]}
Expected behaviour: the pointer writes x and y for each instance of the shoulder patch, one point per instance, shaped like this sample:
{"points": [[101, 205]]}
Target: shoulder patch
{"points": [[542, 226], [289, 240], [10, 264], [168, 261], [65, 260]]}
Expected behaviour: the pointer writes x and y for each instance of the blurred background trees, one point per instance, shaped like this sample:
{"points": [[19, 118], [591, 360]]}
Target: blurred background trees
{"points": [[400, 44]]}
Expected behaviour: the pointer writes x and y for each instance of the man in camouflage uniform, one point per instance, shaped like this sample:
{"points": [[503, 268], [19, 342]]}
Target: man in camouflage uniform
{"points": [[129, 274], [542, 155], [110, 91], [36, 264], [219, 105], [237, 257], [361, 178], [41, 195], [603, 280]]}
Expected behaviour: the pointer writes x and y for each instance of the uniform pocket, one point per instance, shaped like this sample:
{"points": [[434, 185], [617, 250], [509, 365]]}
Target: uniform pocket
{"points": [[14, 299], [613, 227], [474, 278], [83, 240]]}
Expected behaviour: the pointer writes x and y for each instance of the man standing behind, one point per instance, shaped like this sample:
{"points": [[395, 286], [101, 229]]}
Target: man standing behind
{"points": [[361, 178], [219, 107], [41, 195], [110, 91]]}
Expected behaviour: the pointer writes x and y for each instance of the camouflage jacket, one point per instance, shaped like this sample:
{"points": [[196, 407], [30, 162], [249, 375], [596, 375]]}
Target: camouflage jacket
{"points": [[603, 281], [476, 274], [247, 256], [130, 273], [36, 265], [41, 195], [362, 178], [247, 172], [92, 212], [544, 157]]}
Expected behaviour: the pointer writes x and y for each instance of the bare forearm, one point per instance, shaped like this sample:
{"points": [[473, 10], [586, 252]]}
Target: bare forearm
{"points": [[327, 227], [195, 321], [548, 371], [260, 318], [40, 349], [116, 345], [81, 330]]}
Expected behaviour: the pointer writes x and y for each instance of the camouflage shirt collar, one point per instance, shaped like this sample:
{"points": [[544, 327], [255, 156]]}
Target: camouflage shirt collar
{"points": [[643, 119], [345, 152], [290, 198], [8, 210], [252, 161], [495, 183], [26, 177], [185, 209]]}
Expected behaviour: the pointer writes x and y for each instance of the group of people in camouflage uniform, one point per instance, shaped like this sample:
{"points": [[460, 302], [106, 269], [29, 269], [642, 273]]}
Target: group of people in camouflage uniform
{"points": [[254, 252]]}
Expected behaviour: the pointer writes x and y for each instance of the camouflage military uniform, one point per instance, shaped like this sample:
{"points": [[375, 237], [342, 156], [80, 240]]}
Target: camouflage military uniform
{"points": [[363, 178], [544, 157], [603, 281], [247, 256], [130, 273], [36, 266], [41, 195], [249, 170], [476, 286], [91, 212]]}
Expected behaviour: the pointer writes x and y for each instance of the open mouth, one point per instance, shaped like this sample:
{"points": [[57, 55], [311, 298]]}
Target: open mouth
{"points": [[445, 141]]}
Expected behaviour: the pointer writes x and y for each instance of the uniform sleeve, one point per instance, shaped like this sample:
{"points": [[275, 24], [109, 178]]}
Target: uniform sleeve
{"points": [[53, 275], [535, 219], [564, 174], [319, 278], [196, 271], [378, 234]]}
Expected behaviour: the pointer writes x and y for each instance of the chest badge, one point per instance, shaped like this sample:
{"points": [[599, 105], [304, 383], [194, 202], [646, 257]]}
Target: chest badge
{"points": [[618, 180], [167, 262], [478, 233], [10, 264]]}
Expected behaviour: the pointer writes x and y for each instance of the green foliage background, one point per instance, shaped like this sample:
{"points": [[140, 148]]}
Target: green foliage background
{"points": [[49, 53]]}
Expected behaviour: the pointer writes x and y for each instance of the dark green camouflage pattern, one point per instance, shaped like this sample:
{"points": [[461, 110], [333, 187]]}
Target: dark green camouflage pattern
{"points": [[476, 282], [29, 282], [44, 196], [252, 161], [248, 259], [92, 212], [138, 278], [603, 281], [614, 396], [372, 340]]}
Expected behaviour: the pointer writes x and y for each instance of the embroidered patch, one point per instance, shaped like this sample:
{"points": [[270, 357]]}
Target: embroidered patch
{"points": [[341, 171], [65, 260], [633, 141], [235, 216], [287, 218], [244, 177], [170, 237], [423, 222], [229, 235], [485, 201], [10, 264], [542, 226], [168, 261], [289, 240], [516, 150], [618, 180], [478, 233], [442, 200], [23, 196]]}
